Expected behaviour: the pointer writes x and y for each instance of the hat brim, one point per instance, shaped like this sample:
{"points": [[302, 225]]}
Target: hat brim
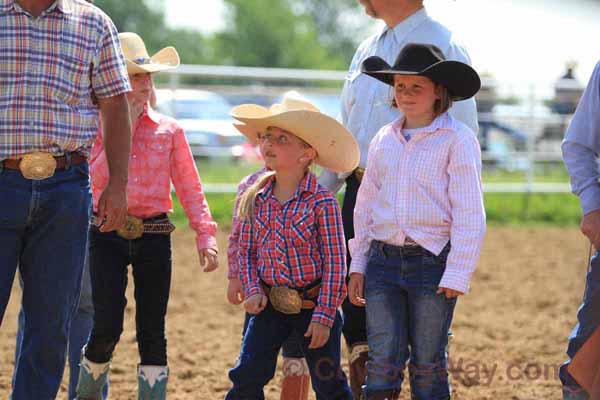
{"points": [[336, 148], [163, 60], [461, 80]]}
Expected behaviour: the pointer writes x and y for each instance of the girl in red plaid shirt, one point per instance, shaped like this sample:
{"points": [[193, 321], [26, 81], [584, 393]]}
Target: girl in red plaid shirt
{"points": [[292, 251]]}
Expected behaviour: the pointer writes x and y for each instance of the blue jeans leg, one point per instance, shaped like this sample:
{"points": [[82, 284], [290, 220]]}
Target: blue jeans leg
{"points": [[51, 263], [588, 320], [328, 379], [255, 367], [407, 320]]}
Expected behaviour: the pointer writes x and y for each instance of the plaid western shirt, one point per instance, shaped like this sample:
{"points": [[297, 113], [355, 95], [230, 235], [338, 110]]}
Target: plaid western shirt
{"points": [[296, 243], [50, 66]]}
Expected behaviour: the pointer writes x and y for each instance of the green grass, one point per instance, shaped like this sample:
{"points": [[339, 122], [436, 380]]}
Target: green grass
{"points": [[502, 208]]}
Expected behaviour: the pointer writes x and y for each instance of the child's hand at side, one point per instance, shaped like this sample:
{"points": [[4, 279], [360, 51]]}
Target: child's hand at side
{"points": [[255, 303], [356, 289], [318, 333], [450, 293], [209, 258], [235, 292]]}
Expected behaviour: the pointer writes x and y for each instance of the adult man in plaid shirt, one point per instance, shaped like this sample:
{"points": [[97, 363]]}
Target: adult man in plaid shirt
{"points": [[56, 53]]}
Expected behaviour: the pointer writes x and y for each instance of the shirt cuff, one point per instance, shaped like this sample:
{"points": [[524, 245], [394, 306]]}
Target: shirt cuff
{"points": [[590, 198], [206, 242], [324, 316], [232, 273], [358, 264], [455, 278], [252, 290]]}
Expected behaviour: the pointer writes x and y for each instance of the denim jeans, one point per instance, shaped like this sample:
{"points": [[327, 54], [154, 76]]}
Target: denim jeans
{"points": [[150, 257], [588, 318], [407, 321], [43, 231], [291, 348], [81, 326], [264, 337]]}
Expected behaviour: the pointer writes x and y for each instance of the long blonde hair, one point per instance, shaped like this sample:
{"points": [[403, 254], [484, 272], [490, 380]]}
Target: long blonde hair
{"points": [[248, 198]]}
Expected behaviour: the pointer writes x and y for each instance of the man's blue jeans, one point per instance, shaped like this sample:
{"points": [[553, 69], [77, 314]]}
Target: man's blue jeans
{"points": [[81, 326], [407, 321], [43, 231], [588, 318], [264, 337]]}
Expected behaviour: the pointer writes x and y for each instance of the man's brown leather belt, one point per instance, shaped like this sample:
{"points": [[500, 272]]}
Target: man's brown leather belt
{"points": [[135, 227], [61, 161], [291, 301]]}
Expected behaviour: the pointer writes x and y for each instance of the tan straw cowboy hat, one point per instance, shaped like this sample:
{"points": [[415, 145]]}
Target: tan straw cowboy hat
{"points": [[336, 148], [138, 60]]}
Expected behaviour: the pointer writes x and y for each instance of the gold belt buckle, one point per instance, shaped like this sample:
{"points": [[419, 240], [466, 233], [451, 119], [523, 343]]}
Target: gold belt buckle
{"points": [[285, 300], [133, 229], [37, 166]]}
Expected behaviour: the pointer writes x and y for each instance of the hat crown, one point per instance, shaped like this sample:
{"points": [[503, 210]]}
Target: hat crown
{"points": [[418, 57], [133, 46], [293, 101]]}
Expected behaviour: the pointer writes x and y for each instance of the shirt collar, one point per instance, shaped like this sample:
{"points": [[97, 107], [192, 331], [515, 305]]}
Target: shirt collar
{"points": [[65, 6], [307, 184], [150, 113], [441, 121], [402, 30]]}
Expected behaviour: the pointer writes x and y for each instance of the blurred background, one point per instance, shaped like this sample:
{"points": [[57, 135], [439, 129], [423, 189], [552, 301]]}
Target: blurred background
{"points": [[535, 58]]}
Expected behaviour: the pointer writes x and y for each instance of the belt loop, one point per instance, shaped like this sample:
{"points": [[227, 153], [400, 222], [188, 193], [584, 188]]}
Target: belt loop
{"points": [[67, 160], [1, 166]]}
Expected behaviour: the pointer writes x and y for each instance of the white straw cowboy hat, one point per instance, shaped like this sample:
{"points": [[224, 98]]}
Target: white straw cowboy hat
{"points": [[336, 148], [138, 60]]}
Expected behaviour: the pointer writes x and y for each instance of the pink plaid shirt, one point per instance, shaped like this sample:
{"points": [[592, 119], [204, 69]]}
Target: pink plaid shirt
{"points": [[428, 189], [234, 236], [296, 243], [159, 153]]}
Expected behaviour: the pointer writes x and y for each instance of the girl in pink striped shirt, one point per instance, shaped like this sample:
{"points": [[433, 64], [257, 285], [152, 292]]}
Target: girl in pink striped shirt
{"points": [[419, 222]]}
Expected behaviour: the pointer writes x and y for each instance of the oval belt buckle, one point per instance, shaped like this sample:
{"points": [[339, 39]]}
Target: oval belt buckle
{"points": [[285, 300], [133, 229], [37, 166]]}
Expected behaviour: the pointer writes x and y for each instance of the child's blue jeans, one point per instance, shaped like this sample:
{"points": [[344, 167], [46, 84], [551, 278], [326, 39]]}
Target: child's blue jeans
{"points": [[407, 321], [265, 335]]}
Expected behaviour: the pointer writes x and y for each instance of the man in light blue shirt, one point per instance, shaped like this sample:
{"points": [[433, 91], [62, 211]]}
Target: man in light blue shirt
{"points": [[581, 148], [366, 108]]}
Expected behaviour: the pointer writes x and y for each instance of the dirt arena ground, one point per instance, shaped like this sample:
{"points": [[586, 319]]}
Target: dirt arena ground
{"points": [[510, 331]]}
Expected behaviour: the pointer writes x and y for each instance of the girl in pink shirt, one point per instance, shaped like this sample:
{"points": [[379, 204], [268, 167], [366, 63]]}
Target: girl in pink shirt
{"points": [[419, 222]]}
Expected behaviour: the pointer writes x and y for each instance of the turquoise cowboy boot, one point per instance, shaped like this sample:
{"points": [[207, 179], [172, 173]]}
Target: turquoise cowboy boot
{"points": [[92, 379], [152, 382]]}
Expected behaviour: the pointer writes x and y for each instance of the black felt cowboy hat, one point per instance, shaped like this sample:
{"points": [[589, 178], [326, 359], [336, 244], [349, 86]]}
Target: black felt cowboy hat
{"points": [[427, 60]]}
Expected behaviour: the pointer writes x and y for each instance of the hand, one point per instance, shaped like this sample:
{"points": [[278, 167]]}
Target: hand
{"points": [[112, 207], [255, 303], [356, 289], [318, 333], [450, 293], [209, 258], [590, 227], [235, 292]]}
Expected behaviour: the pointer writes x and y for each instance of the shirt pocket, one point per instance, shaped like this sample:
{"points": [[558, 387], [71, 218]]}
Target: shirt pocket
{"points": [[302, 228], [67, 79], [262, 231], [430, 166]]}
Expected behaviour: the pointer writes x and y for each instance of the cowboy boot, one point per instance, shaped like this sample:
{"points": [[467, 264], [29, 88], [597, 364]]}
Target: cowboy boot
{"points": [[296, 379], [383, 395], [92, 379], [359, 355], [152, 382]]}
